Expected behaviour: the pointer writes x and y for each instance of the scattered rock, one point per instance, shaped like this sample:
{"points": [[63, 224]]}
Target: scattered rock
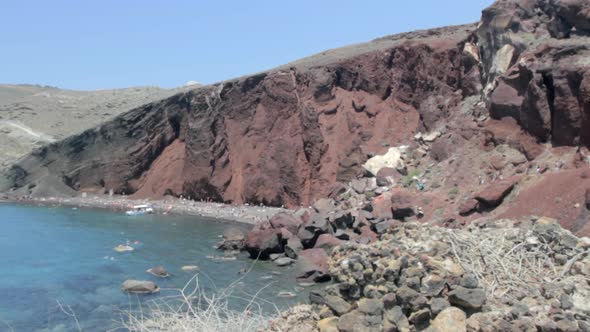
{"points": [[159, 271], [372, 307], [139, 287], [327, 242], [449, 320], [293, 247], [284, 261], [260, 243], [329, 324], [312, 264], [467, 298], [337, 304], [494, 194]]}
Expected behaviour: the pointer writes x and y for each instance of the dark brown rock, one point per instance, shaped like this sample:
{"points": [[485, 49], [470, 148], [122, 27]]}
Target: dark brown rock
{"points": [[327, 242], [469, 206], [261, 243], [494, 194], [312, 264], [283, 220], [402, 204]]}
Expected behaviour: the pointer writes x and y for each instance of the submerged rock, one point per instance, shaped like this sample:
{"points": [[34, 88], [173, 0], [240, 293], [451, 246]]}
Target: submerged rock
{"points": [[159, 271]]}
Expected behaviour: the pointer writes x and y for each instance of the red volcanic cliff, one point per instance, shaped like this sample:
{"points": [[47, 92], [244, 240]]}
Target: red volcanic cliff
{"points": [[282, 137]]}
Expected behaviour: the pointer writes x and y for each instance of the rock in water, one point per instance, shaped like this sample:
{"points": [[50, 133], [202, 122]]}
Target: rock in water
{"points": [[139, 287], [233, 234], [159, 271]]}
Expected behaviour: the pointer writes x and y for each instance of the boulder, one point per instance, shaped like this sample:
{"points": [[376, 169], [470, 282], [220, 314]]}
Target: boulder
{"points": [[367, 235], [319, 224], [159, 271], [350, 322], [284, 261], [402, 204], [467, 298], [390, 159], [494, 194], [587, 199], [307, 237], [381, 206], [373, 307], [329, 324], [327, 242], [233, 234], [312, 265], [468, 207], [359, 185], [438, 304], [324, 205], [450, 319], [387, 176], [410, 299], [293, 247], [338, 305], [396, 317], [283, 220], [261, 243], [139, 287], [342, 219]]}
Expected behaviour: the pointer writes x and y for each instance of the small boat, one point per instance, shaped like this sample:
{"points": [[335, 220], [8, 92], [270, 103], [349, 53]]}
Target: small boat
{"points": [[139, 210]]}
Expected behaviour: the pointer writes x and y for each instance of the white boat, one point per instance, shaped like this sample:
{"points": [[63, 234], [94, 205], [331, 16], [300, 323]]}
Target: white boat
{"points": [[138, 210]]}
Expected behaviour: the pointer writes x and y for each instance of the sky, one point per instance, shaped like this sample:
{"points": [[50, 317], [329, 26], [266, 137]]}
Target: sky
{"points": [[100, 44]]}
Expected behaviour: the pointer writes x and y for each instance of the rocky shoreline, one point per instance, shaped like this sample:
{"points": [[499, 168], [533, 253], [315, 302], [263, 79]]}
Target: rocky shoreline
{"points": [[221, 212]]}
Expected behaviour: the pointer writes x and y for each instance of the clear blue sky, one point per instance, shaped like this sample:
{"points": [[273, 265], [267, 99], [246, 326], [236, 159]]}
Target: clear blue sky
{"points": [[83, 44]]}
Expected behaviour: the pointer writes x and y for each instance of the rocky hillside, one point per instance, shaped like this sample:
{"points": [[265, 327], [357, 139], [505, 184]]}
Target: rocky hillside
{"points": [[475, 120], [34, 115]]}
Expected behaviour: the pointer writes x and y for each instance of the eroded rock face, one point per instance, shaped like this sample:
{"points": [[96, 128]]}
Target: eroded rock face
{"points": [[534, 55], [282, 137]]}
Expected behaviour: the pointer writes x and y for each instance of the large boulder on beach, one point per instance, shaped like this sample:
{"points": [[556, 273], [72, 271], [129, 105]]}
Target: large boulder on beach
{"points": [[283, 220], [312, 265], [139, 287], [260, 243], [233, 239]]}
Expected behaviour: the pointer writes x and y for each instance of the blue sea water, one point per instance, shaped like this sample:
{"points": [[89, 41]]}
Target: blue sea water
{"points": [[65, 255]]}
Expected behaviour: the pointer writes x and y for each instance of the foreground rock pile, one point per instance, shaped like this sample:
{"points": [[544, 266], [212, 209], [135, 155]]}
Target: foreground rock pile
{"points": [[529, 275]]}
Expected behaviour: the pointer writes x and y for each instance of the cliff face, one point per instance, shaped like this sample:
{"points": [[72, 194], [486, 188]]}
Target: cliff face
{"points": [[279, 137], [287, 136]]}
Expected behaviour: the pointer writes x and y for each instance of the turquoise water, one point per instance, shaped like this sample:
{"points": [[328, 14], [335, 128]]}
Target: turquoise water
{"points": [[63, 254]]}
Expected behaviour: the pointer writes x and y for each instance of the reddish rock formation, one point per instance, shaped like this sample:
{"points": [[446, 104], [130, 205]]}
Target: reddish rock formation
{"points": [[281, 137]]}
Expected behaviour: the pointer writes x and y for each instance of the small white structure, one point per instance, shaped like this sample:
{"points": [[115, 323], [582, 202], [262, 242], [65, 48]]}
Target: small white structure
{"points": [[138, 210]]}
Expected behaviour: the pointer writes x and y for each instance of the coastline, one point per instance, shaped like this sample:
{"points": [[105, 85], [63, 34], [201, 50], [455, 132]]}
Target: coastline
{"points": [[220, 212]]}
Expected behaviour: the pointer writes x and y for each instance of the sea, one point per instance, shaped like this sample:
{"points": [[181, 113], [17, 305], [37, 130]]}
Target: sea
{"points": [[59, 270]]}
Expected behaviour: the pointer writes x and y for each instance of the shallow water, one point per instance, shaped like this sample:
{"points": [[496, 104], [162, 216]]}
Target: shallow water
{"points": [[63, 254]]}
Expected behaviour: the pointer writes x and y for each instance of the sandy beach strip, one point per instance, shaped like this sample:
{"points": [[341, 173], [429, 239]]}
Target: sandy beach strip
{"points": [[221, 212]]}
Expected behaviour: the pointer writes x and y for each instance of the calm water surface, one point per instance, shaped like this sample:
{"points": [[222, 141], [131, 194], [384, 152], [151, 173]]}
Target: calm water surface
{"points": [[62, 254]]}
